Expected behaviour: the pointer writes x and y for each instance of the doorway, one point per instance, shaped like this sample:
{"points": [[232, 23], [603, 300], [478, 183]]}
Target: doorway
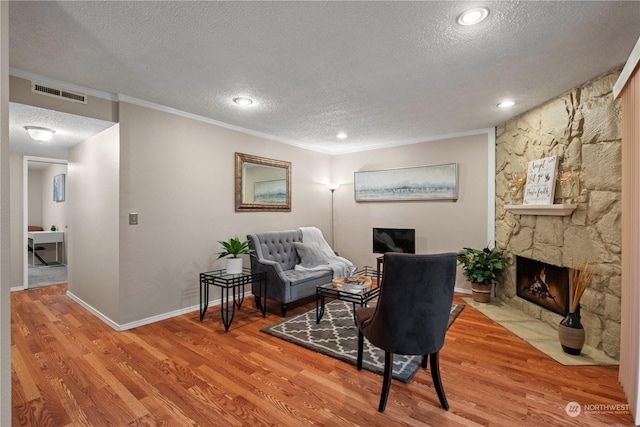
{"points": [[44, 221]]}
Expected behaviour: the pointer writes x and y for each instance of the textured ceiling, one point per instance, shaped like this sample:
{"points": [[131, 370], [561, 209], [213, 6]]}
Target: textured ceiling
{"points": [[70, 130], [386, 73]]}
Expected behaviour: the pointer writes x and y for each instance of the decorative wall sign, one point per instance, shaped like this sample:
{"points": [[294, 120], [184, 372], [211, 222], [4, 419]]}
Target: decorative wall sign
{"points": [[437, 182], [541, 181]]}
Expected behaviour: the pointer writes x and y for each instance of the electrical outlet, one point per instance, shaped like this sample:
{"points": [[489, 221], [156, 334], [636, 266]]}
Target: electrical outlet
{"points": [[133, 219]]}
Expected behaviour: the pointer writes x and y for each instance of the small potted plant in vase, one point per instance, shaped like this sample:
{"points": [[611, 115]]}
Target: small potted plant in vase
{"points": [[481, 268], [234, 247]]}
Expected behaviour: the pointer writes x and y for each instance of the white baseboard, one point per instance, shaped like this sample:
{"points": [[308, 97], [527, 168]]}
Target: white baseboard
{"points": [[95, 312], [17, 288], [141, 322]]}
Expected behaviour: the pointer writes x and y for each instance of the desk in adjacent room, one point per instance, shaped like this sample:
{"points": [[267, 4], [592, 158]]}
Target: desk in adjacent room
{"points": [[42, 237]]}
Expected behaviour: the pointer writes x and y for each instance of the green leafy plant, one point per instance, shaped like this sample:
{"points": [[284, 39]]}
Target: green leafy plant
{"points": [[481, 266], [235, 247]]}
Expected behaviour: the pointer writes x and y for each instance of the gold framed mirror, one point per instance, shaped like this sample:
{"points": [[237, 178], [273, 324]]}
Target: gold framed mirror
{"points": [[262, 184]]}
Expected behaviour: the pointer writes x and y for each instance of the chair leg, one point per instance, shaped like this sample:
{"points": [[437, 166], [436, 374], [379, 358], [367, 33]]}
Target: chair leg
{"points": [[360, 349], [424, 361], [284, 310], [386, 382], [437, 382]]}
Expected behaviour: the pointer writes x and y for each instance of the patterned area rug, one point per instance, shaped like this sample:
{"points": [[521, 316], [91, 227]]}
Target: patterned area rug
{"points": [[337, 336]]}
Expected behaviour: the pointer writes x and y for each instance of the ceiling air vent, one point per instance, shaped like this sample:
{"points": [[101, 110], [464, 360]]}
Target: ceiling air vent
{"points": [[59, 93]]}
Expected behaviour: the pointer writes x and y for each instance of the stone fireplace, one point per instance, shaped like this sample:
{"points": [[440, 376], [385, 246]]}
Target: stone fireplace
{"points": [[582, 128], [543, 284]]}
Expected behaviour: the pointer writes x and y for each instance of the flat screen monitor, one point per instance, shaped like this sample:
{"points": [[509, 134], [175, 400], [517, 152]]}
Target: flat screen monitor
{"points": [[394, 240]]}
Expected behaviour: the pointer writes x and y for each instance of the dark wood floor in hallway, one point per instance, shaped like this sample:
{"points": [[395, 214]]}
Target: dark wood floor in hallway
{"points": [[71, 369]]}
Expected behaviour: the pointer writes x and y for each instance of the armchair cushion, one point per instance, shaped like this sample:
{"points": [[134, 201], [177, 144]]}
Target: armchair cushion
{"points": [[310, 254]]}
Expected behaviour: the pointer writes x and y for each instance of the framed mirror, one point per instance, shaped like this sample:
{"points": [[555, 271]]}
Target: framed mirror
{"points": [[262, 184]]}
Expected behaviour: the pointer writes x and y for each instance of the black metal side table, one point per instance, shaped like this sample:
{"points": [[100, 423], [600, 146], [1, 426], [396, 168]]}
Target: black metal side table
{"points": [[232, 287]]}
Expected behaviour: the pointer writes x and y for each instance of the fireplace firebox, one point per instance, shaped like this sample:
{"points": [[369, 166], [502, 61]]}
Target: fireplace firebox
{"points": [[543, 284]]}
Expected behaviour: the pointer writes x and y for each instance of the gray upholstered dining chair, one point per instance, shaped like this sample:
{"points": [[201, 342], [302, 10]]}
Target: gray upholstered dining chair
{"points": [[412, 313]]}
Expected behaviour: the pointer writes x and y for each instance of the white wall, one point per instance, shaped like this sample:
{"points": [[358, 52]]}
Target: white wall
{"points": [[5, 225], [18, 246], [53, 213], [178, 175], [92, 236], [441, 226], [34, 196], [42, 210]]}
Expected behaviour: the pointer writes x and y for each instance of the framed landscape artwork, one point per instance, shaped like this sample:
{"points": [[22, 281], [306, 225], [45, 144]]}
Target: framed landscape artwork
{"points": [[435, 182], [270, 191]]}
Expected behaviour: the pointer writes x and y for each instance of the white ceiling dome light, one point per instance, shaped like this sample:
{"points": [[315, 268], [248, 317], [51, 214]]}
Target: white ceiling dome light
{"points": [[341, 135], [506, 103], [473, 16], [243, 101], [40, 134]]}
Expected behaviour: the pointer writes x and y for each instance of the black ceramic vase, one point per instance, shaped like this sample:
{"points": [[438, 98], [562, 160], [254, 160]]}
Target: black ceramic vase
{"points": [[571, 333]]}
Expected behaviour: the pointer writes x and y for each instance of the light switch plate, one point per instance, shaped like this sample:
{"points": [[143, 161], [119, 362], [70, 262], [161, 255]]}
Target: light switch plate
{"points": [[133, 219]]}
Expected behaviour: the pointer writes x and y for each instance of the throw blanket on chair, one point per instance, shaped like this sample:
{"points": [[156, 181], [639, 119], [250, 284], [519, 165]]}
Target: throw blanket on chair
{"points": [[340, 266]]}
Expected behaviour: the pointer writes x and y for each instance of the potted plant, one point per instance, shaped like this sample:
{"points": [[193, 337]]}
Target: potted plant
{"points": [[234, 247], [481, 268]]}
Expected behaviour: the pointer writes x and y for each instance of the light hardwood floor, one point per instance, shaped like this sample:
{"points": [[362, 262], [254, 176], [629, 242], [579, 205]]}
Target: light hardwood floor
{"points": [[70, 369]]}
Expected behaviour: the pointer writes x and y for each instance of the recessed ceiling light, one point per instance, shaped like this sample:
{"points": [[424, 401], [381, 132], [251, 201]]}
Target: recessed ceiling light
{"points": [[40, 134], [506, 104], [243, 101], [341, 135], [473, 16]]}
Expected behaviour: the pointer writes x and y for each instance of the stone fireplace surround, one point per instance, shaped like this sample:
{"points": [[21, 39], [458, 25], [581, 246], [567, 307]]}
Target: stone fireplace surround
{"points": [[582, 127]]}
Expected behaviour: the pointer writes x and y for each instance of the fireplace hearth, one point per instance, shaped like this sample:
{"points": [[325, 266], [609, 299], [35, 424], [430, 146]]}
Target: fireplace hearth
{"points": [[543, 284]]}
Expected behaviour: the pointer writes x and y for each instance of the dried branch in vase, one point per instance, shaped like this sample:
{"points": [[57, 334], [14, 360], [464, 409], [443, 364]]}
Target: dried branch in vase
{"points": [[579, 279]]}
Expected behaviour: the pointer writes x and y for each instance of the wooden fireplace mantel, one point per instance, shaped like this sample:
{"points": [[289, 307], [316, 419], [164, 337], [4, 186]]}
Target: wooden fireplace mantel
{"points": [[555, 209]]}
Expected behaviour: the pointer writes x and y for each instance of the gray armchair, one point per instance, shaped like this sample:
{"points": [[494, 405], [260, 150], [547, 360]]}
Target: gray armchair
{"points": [[412, 313]]}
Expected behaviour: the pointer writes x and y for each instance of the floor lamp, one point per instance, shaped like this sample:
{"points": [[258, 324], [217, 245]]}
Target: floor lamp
{"points": [[333, 187]]}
